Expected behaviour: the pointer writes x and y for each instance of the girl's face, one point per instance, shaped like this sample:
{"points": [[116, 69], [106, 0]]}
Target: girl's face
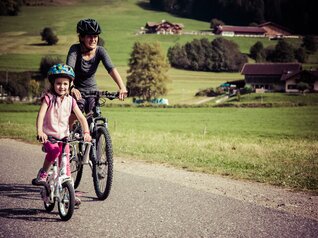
{"points": [[61, 86], [90, 41]]}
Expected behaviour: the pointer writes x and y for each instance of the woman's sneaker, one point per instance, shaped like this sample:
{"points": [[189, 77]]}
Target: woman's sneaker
{"points": [[77, 202], [40, 178]]}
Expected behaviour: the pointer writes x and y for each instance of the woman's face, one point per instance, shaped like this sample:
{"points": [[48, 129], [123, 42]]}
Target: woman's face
{"points": [[90, 41], [61, 86]]}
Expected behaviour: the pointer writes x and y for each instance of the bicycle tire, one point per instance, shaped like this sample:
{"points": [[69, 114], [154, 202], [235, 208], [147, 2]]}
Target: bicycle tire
{"points": [[103, 164], [76, 170], [49, 206], [66, 203]]}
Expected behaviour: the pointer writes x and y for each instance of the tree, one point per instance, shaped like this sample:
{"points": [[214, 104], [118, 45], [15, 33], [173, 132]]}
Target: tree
{"points": [[34, 88], [216, 22], [178, 57], [302, 87], [10, 7], [310, 43], [300, 55], [257, 52], [220, 55], [46, 63], [49, 36], [284, 52], [147, 77]]}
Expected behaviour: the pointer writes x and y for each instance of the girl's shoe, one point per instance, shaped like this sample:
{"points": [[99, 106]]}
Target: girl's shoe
{"points": [[40, 178]]}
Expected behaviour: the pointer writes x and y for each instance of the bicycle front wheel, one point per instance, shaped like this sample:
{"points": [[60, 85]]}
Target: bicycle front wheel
{"points": [[66, 203], [103, 164], [76, 169]]}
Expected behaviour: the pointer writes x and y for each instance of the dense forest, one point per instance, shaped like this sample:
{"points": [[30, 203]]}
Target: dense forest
{"points": [[299, 16]]}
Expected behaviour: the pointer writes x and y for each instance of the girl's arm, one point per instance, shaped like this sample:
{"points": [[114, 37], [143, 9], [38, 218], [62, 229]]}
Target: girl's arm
{"points": [[84, 124], [39, 122]]}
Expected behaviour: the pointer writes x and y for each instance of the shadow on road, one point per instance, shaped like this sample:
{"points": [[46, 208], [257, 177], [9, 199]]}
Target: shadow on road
{"points": [[21, 191], [16, 192]]}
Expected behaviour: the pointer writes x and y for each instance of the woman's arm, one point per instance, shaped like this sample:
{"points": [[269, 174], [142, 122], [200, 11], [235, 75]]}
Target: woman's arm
{"points": [[118, 80]]}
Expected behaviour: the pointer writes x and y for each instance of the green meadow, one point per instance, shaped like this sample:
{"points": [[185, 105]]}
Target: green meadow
{"points": [[275, 144], [270, 145]]}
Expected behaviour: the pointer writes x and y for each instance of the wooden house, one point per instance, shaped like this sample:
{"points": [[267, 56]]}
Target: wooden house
{"points": [[273, 30], [163, 27], [269, 76], [307, 76]]}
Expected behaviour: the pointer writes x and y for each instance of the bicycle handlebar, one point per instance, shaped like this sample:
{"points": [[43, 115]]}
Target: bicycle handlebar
{"points": [[54, 139], [106, 94]]}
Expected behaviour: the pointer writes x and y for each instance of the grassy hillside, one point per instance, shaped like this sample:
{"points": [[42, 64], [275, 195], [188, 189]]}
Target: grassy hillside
{"points": [[22, 49]]}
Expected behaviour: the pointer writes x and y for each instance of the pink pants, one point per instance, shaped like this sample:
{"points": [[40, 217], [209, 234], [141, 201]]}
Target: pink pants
{"points": [[55, 151]]}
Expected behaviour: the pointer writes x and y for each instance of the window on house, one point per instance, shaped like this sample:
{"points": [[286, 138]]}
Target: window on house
{"points": [[291, 86]]}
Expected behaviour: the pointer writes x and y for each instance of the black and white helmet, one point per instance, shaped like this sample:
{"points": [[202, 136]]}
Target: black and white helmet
{"points": [[88, 27]]}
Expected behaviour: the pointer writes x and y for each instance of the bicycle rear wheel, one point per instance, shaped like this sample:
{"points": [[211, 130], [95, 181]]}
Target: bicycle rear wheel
{"points": [[66, 202], [103, 164]]}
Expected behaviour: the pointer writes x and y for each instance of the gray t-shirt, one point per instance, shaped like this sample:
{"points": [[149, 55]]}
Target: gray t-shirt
{"points": [[85, 69]]}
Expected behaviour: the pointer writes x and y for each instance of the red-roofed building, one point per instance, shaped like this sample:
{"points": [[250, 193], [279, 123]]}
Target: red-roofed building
{"points": [[163, 27], [306, 76], [269, 76], [274, 30], [239, 30]]}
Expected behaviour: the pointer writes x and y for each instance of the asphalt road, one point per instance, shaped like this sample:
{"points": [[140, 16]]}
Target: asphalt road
{"points": [[138, 206]]}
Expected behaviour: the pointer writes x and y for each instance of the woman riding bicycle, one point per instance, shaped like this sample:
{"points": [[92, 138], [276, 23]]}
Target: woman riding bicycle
{"points": [[85, 58]]}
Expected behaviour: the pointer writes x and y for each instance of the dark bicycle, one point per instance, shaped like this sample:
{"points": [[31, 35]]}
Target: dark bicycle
{"points": [[98, 154]]}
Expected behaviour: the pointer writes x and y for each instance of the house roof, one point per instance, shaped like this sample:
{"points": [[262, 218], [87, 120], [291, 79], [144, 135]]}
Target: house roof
{"points": [[271, 68], [242, 29], [275, 25], [311, 73], [155, 24]]}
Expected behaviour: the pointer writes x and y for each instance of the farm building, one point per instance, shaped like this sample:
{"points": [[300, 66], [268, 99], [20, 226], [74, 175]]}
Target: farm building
{"points": [[239, 30], [270, 76], [163, 27], [307, 76], [267, 29], [274, 30]]}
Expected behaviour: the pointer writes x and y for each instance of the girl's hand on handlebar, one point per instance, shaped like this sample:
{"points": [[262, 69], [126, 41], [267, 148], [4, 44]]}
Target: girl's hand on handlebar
{"points": [[42, 137], [76, 93], [87, 137]]}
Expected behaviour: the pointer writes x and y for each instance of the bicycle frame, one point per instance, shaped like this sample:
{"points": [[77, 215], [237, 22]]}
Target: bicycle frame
{"points": [[56, 177], [100, 154]]}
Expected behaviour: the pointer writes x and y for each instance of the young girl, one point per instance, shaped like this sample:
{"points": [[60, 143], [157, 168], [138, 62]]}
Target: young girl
{"points": [[53, 117], [85, 58]]}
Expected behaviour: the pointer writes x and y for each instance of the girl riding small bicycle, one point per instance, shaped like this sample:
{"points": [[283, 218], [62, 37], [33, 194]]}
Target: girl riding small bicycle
{"points": [[53, 118]]}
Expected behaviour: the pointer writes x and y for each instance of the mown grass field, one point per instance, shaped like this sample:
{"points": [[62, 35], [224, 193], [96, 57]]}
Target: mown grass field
{"points": [[271, 145]]}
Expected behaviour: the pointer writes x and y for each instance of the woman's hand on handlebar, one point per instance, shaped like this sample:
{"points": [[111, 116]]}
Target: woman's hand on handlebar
{"points": [[76, 93], [122, 94]]}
